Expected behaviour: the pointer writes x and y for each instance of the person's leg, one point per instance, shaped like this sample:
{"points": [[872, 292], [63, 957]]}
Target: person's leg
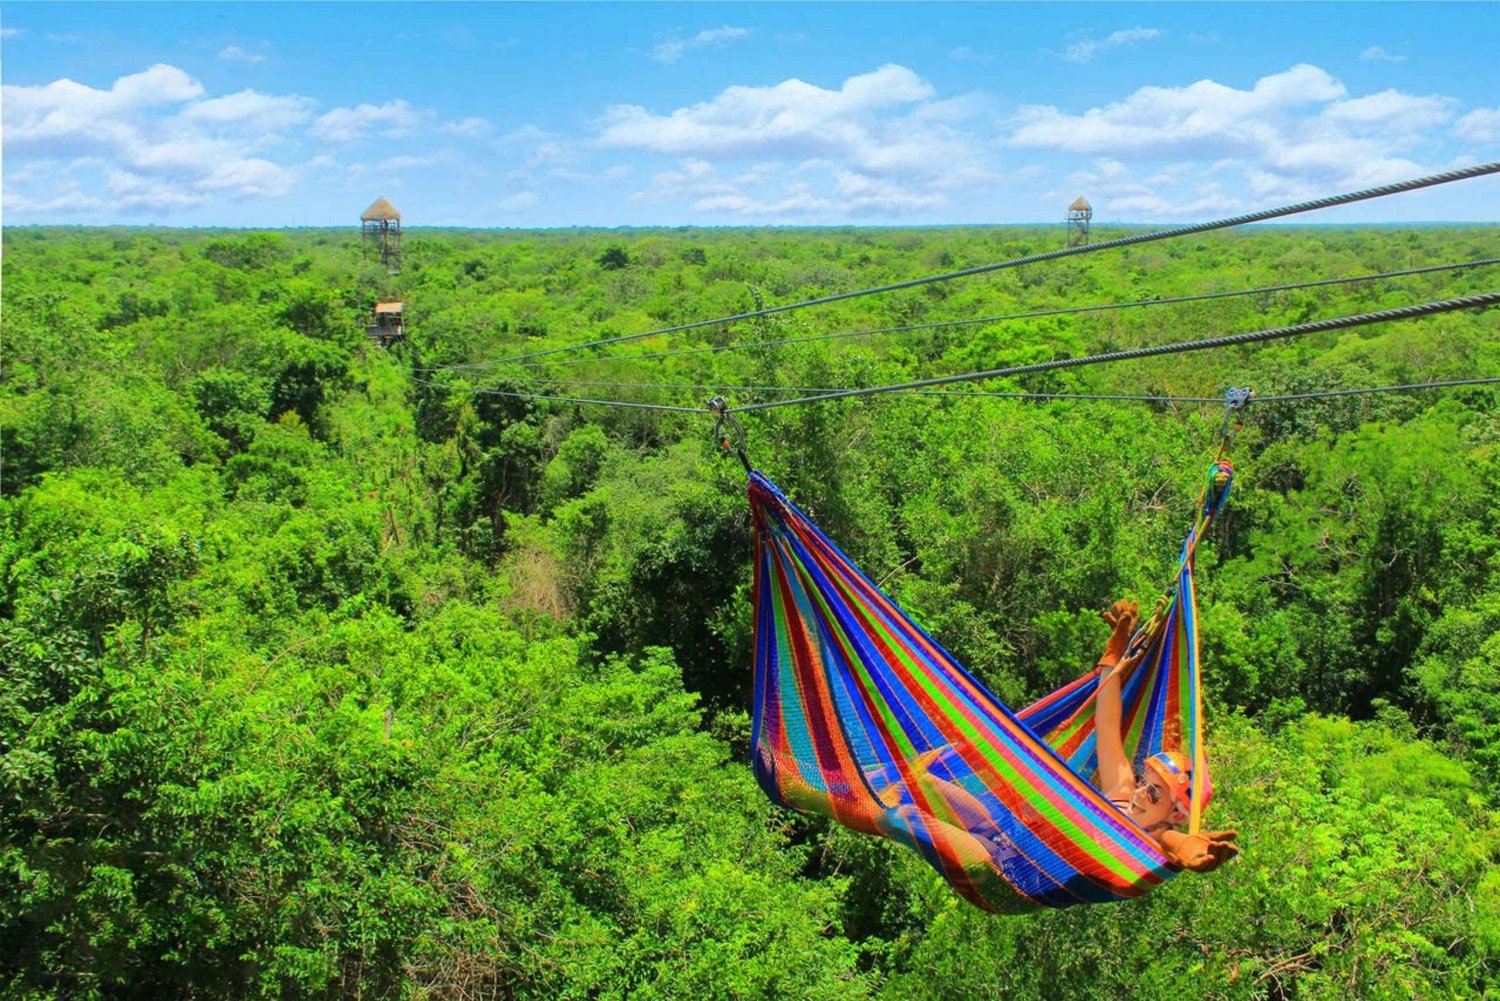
{"points": [[968, 862]]}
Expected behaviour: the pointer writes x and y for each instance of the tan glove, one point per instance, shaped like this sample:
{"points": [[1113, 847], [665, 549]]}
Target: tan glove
{"points": [[1202, 852], [1122, 619]]}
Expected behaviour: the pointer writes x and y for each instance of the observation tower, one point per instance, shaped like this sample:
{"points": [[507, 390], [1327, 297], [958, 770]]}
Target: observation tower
{"points": [[1079, 214], [380, 231]]}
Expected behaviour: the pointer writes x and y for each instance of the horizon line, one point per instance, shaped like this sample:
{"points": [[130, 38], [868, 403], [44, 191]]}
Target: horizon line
{"points": [[665, 227]]}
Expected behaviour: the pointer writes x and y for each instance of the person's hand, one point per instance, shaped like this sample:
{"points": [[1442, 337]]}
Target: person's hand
{"points": [[1121, 619], [1203, 852]]}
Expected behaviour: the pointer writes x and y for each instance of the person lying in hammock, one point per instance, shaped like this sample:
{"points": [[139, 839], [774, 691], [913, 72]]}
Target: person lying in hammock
{"points": [[1158, 800], [963, 830]]}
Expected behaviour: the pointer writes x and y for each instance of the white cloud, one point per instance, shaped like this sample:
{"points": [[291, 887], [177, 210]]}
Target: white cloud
{"points": [[880, 144], [1081, 52], [541, 148], [668, 51], [1377, 54], [720, 36], [1481, 125], [698, 183], [672, 49], [1104, 169], [235, 54], [467, 128], [250, 109], [66, 118], [1130, 36], [814, 189], [1292, 135], [70, 201], [247, 177], [157, 147], [768, 195], [1204, 117], [789, 118], [518, 202], [133, 192], [184, 153], [392, 119], [1143, 202], [1084, 51], [1391, 111], [797, 201], [10, 32], [694, 179], [864, 195], [386, 171]]}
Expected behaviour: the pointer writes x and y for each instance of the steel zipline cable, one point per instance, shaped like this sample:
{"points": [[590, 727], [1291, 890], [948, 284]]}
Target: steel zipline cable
{"points": [[1330, 201], [1482, 300], [946, 324], [1322, 394], [1485, 299], [1328, 394], [716, 388], [1019, 395]]}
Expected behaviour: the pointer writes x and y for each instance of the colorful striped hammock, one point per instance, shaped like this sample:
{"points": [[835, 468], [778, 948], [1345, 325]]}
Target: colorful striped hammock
{"points": [[862, 717]]}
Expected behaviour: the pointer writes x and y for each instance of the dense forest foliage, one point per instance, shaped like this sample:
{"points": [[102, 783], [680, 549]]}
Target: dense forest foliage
{"points": [[338, 671]]}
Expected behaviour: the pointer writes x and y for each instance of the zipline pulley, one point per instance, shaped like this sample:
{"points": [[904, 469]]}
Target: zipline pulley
{"points": [[725, 423], [1235, 402]]}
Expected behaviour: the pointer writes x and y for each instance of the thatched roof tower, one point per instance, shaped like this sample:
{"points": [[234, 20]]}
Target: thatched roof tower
{"points": [[380, 210], [380, 231], [1079, 214]]}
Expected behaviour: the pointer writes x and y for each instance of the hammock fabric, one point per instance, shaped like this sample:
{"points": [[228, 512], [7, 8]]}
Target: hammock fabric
{"points": [[862, 717]]}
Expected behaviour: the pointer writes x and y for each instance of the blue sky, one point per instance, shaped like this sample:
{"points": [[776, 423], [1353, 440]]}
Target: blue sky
{"points": [[738, 114]]}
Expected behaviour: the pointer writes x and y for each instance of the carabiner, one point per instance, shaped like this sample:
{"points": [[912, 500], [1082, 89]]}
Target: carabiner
{"points": [[720, 407]]}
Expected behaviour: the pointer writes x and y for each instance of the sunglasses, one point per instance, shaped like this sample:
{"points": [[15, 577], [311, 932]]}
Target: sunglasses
{"points": [[1152, 792]]}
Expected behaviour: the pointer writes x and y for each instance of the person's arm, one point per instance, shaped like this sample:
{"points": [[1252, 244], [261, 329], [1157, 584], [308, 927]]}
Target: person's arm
{"points": [[1116, 777]]}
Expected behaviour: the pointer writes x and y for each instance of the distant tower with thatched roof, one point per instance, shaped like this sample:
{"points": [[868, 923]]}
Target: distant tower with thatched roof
{"points": [[1079, 214], [380, 229]]}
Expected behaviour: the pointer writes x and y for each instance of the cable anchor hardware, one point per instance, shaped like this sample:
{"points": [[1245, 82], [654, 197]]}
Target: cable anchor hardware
{"points": [[735, 443]]}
